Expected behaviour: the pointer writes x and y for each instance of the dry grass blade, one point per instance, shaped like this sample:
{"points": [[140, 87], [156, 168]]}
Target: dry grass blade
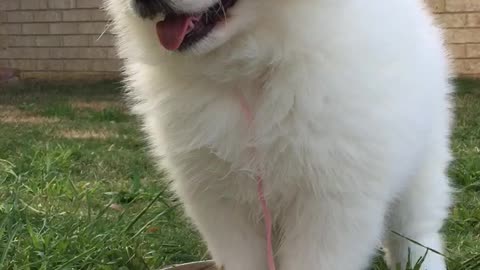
{"points": [[11, 237], [472, 263], [421, 245], [130, 225]]}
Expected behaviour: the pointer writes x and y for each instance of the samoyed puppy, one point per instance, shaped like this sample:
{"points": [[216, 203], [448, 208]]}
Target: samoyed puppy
{"points": [[340, 107]]}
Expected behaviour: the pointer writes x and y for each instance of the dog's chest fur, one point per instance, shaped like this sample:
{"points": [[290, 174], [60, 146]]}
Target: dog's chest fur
{"points": [[304, 140], [216, 147]]}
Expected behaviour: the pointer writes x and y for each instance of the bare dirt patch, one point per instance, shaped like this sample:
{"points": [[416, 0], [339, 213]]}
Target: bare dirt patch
{"points": [[86, 134], [12, 115], [96, 105]]}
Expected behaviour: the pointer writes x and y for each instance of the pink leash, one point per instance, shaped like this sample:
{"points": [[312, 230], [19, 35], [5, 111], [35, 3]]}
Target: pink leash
{"points": [[267, 217]]}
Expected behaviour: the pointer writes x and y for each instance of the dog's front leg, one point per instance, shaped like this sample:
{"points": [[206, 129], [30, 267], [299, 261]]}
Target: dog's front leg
{"points": [[331, 232], [233, 234]]}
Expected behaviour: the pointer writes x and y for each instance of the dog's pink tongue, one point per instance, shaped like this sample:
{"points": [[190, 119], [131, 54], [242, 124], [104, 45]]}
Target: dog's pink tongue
{"points": [[173, 30]]}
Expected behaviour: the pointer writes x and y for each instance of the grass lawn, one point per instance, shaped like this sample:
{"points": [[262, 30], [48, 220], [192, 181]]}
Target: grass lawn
{"points": [[78, 191]]}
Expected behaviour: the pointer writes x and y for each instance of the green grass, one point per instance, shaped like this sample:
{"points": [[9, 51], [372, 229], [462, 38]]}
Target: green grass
{"points": [[78, 191]]}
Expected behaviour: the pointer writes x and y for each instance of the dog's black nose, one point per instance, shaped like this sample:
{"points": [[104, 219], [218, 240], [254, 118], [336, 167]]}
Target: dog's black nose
{"points": [[151, 8]]}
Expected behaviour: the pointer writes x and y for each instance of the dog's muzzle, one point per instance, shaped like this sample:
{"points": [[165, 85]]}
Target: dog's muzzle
{"points": [[148, 9]]}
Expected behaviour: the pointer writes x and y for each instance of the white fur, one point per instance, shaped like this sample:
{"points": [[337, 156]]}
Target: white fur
{"points": [[352, 125]]}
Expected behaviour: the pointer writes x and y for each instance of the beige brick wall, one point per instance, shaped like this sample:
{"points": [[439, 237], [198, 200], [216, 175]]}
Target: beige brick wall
{"points": [[56, 39], [61, 39], [461, 21]]}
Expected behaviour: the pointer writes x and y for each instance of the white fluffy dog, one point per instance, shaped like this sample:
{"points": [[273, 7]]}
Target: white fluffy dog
{"points": [[351, 124]]}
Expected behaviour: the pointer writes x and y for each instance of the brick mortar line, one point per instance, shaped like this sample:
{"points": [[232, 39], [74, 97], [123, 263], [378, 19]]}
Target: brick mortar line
{"points": [[53, 35], [63, 70], [61, 47], [77, 71], [462, 27], [62, 59], [51, 9], [456, 12], [69, 47], [50, 22]]}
